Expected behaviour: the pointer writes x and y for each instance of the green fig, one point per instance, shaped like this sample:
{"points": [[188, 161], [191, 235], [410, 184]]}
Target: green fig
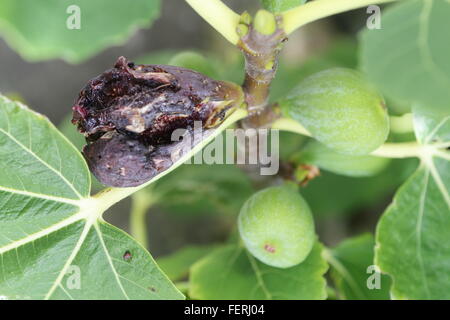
{"points": [[277, 227], [341, 110]]}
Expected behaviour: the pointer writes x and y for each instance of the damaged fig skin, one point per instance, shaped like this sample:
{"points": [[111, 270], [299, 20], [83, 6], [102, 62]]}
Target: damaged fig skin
{"points": [[128, 115]]}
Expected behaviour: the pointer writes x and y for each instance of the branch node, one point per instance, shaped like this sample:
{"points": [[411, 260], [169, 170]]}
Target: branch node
{"points": [[261, 49]]}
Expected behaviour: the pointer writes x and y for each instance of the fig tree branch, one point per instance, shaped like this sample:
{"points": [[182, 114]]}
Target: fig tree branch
{"points": [[219, 16], [260, 43], [315, 10]]}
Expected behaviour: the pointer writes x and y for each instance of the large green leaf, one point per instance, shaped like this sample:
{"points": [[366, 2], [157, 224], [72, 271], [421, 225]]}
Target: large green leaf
{"points": [[233, 273], [53, 241], [38, 29], [350, 264], [408, 57], [25, 140], [412, 236], [432, 127]]}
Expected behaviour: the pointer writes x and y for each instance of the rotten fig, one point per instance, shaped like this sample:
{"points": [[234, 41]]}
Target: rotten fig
{"points": [[129, 113]]}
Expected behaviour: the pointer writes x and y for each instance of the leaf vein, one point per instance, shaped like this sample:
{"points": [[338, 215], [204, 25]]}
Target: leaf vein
{"points": [[64, 179]]}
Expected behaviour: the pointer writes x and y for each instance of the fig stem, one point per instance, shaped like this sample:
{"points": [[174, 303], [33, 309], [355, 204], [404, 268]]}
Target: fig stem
{"points": [[219, 16], [261, 50], [402, 124], [141, 203], [400, 150], [287, 124], [315, 10]]}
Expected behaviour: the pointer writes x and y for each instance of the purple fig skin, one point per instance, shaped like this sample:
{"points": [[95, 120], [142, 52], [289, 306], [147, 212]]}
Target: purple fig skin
{"points": [[129, 113]]}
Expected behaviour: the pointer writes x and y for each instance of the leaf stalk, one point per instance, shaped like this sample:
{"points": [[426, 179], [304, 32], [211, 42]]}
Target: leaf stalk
{"points": [[141, 203], [315, 10], [219, 16]]}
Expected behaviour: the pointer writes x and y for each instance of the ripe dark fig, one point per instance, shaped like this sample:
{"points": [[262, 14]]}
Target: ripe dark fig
{"points": [[128, 115]]}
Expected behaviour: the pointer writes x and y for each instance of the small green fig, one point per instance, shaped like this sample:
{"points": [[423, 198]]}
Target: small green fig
{"points": [[341, 110], [277, 227]]}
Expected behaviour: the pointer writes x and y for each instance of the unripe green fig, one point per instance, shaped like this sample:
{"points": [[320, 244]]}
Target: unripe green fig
{"points": [[277, 227], [341, 110]]}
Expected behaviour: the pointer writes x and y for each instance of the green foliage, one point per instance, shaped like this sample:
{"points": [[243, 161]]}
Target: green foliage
{"points": [[206, 64], [194, 61], [38, 29], [341, 110], [317, 154], [408, 57], [157, 57], [176, 266], [432, 127], [346, 196], [26, 138], [412, 241], [281, 5], [242, 277], [352, 270], [276, 226], [51, 232], [202, 188]]}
